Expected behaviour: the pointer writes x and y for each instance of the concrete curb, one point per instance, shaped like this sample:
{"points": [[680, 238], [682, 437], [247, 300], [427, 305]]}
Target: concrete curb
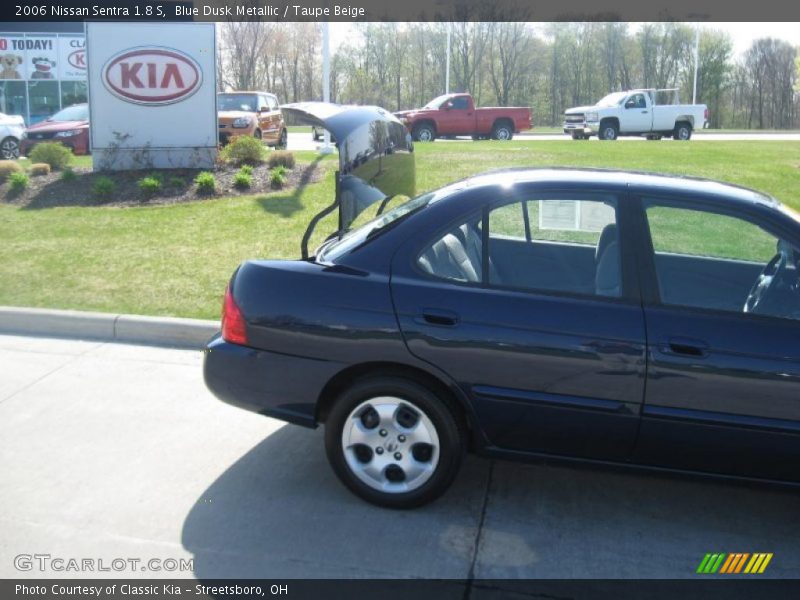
{"points": [[156, 331]]}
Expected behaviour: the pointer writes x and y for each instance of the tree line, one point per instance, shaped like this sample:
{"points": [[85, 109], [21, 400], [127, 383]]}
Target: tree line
{"points": [[549, 67]]}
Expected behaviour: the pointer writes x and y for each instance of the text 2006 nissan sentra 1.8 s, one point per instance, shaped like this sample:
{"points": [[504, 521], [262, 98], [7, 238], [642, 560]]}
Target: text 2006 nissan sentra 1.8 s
{"points": [[586, 315]]}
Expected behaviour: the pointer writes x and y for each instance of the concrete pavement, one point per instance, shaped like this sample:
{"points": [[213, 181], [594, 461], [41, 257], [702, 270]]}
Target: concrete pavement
{"points": [[112, 450]]}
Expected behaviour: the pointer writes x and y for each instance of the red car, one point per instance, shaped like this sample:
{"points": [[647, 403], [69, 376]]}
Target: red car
{"points": [[69, 126], [456, 114]]}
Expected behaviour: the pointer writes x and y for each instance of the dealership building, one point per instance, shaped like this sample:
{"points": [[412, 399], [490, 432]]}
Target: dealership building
{"points": [[42, 68]]}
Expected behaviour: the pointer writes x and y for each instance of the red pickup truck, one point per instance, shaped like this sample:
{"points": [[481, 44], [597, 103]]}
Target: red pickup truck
{"points": [[455, 114]]}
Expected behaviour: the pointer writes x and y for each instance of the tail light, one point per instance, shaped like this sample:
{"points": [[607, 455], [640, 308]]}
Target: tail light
{"points": [[234, 330], [706, 115]]}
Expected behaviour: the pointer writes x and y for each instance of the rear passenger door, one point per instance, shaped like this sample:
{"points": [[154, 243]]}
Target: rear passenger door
{"points": [[524, 304]]}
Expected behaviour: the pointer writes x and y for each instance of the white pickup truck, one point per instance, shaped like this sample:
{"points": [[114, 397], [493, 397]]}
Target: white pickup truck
{"points": [[649, 112]]}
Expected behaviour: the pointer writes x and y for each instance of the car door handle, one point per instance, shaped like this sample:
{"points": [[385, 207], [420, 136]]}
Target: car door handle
{"points": [[441, 318], [644, 112], [687, 347]]}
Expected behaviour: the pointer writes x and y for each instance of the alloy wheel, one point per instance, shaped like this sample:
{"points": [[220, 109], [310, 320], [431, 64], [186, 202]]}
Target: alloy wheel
{"points": [[390, 445], [9, 149]]}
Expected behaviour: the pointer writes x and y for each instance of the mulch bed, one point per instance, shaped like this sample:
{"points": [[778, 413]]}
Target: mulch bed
{"points": [[48, 191]]}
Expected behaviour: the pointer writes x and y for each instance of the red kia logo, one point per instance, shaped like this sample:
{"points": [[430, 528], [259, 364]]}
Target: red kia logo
{"points": [[77, 59], [152, 75]]}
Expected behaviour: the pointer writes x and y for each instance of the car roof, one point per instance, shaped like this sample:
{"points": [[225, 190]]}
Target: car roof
{"points": [[620, 178]]}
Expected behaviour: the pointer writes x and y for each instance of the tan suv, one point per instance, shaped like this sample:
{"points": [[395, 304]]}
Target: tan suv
{"points": [[251, 113]]}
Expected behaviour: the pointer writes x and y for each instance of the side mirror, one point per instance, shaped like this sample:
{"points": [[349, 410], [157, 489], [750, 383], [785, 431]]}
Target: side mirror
{"points": [[630, 104], [262, 109], [447, 105]]}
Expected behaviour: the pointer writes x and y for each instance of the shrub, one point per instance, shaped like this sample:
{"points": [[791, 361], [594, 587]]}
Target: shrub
{"points": [[276, 179], [282, 158], [104, 186], [246, 169], [54, 154], [7, 168], [242, 180], [176, 182], [150, 185], [280, 169], [18, 182], [244, 150], [68, 175], [205, 182], [39, 169]]}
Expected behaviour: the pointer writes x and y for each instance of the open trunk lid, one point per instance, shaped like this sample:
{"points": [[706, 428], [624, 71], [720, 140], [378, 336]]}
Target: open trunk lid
{"points": [[376, 161]]}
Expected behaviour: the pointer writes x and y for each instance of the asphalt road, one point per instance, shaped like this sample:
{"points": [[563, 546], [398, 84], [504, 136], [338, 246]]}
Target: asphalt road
{"points": [[303, 141], [111, 450]]}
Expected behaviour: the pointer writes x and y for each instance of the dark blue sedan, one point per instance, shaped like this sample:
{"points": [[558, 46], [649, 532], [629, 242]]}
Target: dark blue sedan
{"points": [[584, 315]]}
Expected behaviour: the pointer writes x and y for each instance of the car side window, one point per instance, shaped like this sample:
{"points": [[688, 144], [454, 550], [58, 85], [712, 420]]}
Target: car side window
{"points": [[561, 244], [459, 103], [717, 261], [273, 102], [457, 254], [636, 101]]}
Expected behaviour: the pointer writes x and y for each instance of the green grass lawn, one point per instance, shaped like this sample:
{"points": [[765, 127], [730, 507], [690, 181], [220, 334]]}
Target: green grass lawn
{"points": [[176, 259]]}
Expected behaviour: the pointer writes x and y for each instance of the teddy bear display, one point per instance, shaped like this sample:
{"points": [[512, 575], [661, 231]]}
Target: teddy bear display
{"points": [[8, 66]]}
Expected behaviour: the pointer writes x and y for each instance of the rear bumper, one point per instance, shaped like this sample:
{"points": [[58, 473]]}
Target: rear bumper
{"points": [[269, 383]]}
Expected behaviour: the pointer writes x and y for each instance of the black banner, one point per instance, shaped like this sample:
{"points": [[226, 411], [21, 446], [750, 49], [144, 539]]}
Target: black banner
{"points": [[389, 589], [408, 10]]}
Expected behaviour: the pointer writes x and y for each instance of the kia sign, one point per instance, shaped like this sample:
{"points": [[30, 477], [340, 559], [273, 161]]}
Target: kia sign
{"points": [[152, 94], [77, 59], [152, 75]]}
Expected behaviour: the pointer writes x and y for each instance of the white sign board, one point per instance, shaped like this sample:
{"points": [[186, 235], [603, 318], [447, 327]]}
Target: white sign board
{"points": [[152, 95], [574, 215]]}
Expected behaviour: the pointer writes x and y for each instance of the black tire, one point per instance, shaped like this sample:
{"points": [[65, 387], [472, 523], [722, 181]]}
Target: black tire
{"points": [[283, 140], [502, 131], [608, 131], [424, 132], [448, 427], [579, 136], [683, 132], [9, 148], [257, 134]]}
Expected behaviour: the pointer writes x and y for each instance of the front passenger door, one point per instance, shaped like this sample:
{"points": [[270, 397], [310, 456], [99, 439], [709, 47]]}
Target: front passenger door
{"points": [[723, 385]]}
